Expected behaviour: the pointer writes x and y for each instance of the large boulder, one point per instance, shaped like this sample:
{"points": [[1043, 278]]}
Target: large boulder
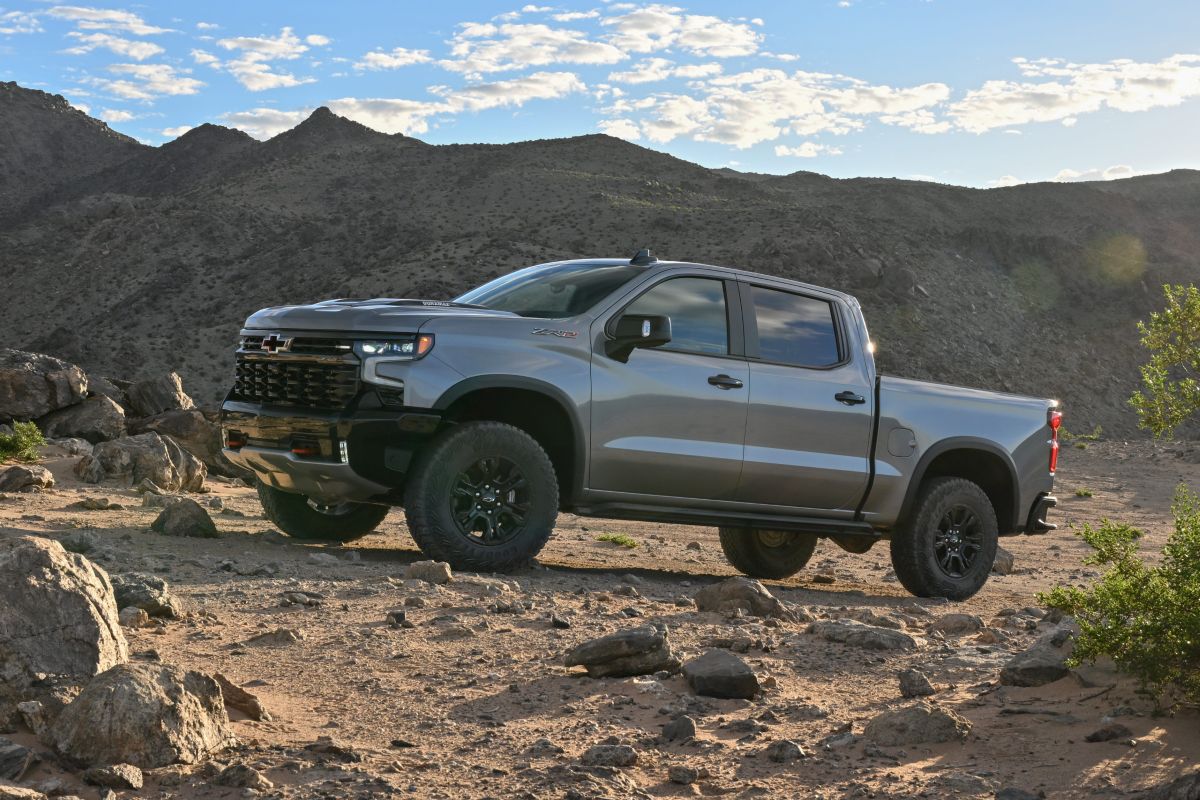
{"points": [[25, 478], [196, 432], [148, 715], [920, 723], [185, 517], [1044, 662], [58, 616], [147, 456], [856, 634], [741, 594], [96, 419], [636, 651], [719, 673], [32, 385], [149, 593], [154, 396]]}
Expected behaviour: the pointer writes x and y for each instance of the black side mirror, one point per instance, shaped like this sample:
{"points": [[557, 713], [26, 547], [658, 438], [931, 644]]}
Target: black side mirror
{"points": [[637, 330]]}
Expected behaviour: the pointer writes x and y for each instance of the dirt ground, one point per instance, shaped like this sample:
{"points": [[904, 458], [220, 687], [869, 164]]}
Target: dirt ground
{"points": [[473, 700]]}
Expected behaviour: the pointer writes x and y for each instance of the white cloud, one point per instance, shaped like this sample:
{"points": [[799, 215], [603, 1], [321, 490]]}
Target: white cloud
{"points": [[14, 22], [479, 48], [204, 26], [515, 92], [263, 123], [1059, 90], [658, 69], [146, 81], [396, 58], [317, 40], [206, 59], [625, 129], [176, 132], [252, 67], [124, 47], [1005, 180], [1112, 173], [807, 150], [655, 27], [571, 16], [116, 115], [106, 19]]}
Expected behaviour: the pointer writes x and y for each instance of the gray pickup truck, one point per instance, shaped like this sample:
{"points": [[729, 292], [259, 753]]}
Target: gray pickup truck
{"points": [[634, 389]]}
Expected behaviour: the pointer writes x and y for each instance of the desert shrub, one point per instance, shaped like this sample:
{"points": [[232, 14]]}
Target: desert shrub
{"points": [[1094, 436], [1171, 391], [618, 538], [1145, 617], [22, 444]]}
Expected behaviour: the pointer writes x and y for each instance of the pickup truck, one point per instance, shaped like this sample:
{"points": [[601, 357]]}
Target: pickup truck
{"points": [[636, 389]]}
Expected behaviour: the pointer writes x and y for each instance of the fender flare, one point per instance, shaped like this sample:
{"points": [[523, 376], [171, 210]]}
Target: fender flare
{"points": [[964, 443]]}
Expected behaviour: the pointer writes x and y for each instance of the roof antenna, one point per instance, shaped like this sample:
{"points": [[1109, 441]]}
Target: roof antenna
{"points": [[643, 258]]}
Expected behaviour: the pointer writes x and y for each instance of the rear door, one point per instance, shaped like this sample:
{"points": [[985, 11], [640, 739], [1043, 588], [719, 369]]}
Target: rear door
{"points": [[811, 410], [671, 421]]}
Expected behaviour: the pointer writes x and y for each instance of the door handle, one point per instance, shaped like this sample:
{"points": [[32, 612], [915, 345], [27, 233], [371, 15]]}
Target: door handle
{"points": [[849, 398], [725, 382]]}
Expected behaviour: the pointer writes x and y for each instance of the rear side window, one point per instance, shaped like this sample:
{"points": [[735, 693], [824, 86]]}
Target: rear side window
{"points": [[794, 329], [696, 306]]}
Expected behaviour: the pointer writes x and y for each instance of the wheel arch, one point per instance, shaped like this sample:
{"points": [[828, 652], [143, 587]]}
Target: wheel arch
{"points": [[979, 461]]}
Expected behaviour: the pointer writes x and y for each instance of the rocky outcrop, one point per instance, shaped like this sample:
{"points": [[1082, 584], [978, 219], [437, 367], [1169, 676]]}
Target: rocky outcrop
{"points": [[195, 432], [154, 396], [152, 715], [636, 651], [25, 478], [741, 594], [96, 419], [148, 456], [58, 616], [920, 723], [32, 385]]}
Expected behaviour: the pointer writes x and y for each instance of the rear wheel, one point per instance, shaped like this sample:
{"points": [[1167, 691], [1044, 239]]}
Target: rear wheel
{"points": [[767, 553], [298, 516], [483, 497], [948, 547]]}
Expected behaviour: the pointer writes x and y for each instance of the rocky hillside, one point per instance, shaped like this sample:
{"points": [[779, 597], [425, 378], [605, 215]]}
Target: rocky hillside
{"points": [[131, 258]]}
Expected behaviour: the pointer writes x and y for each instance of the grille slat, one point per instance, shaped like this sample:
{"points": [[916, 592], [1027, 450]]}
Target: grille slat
{"points": [[295, 383]]}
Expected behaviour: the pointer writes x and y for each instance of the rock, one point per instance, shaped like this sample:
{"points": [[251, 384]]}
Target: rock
{"points": [[1109, 732], [1044, 662], [741, 594], [96, 419], [784, 751], [154, 396], [243, 776], [1185, 787], [196, 433], [147, 592], [72, 446], [152, 500], [117, 776], [562, 623], [324, 559], [682, 774], [1005, 562], [15, 760], [278, 636], [32, 385], [133, 617], [719, 673], [185, 518], [11, 791], [920, 723], [914, 683], [610, 755], [57, 614], [25, 478], [98, 385], [681, 728], [634, 651], [856, 634], [957, 624], [152, 715], [237, 697], [436, 572], [132, 460], [33, 714]]}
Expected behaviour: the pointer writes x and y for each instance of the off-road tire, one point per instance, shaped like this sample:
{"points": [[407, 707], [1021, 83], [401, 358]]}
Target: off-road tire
{"points": [[431, 486], [751, 554], [295, 517], [915, 555]]}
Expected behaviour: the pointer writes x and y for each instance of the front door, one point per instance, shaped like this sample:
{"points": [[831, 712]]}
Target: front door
{"points": [[671, 421]]}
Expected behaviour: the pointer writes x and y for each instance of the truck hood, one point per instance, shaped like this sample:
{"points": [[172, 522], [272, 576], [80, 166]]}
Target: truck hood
{"points": [[378, 315]]}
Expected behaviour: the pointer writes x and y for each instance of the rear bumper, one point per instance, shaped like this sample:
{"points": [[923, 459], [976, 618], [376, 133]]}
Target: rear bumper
{"points": [[352, 455], [1036, 522]]}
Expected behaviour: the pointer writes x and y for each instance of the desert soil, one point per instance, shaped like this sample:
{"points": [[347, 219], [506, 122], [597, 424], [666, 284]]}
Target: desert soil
{"points": [[473, 701]]}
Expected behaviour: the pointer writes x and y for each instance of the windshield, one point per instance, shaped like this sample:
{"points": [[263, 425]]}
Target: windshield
{"points": [[553, 290]]}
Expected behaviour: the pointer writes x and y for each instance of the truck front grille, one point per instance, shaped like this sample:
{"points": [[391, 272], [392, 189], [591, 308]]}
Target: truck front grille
{"points": [[295, 382]]}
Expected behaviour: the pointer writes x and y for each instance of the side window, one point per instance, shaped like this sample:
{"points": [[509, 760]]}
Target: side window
{"points": [[794, 329], [696, 306]]}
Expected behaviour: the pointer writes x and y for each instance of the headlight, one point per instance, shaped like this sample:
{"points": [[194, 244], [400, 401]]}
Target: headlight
{"points": [[410, 347]]}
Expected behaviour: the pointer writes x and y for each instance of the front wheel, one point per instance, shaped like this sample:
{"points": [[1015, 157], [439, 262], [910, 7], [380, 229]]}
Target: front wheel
{"points": [[948, 546], [298, 516], [767, 553], [483, 497]]}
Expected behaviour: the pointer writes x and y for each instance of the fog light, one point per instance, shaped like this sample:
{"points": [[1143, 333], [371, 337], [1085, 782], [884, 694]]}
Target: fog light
{"points": [[344, 451]]}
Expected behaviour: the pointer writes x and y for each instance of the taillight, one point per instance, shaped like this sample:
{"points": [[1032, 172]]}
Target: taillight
{"points": [[234, 440], [306, 451], [1054, 420]]}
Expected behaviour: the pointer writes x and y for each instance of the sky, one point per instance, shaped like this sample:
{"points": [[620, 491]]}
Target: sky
{"points": [[971, 92]]}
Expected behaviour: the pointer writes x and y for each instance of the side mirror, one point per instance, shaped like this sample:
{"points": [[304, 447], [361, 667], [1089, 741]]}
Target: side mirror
{"points": [[637, 330]]}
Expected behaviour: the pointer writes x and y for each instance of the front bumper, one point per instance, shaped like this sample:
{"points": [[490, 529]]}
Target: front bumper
{"points": [[1036, 522], [352, 455]]}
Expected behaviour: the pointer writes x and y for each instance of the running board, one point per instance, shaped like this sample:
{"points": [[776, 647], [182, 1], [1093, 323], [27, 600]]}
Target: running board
{"points": [[734, 519]]}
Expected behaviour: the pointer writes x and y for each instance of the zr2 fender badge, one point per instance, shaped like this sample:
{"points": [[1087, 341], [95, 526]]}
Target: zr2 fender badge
{"points": [[553, 332]]}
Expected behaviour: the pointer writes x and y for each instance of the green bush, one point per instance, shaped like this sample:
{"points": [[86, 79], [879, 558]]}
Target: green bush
{"points": [[1171, 391], [22, 444], [618, 538], [1146, 618]]}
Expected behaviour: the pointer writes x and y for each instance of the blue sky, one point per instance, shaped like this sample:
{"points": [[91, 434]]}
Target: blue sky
{"points": [[970, 92]]}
